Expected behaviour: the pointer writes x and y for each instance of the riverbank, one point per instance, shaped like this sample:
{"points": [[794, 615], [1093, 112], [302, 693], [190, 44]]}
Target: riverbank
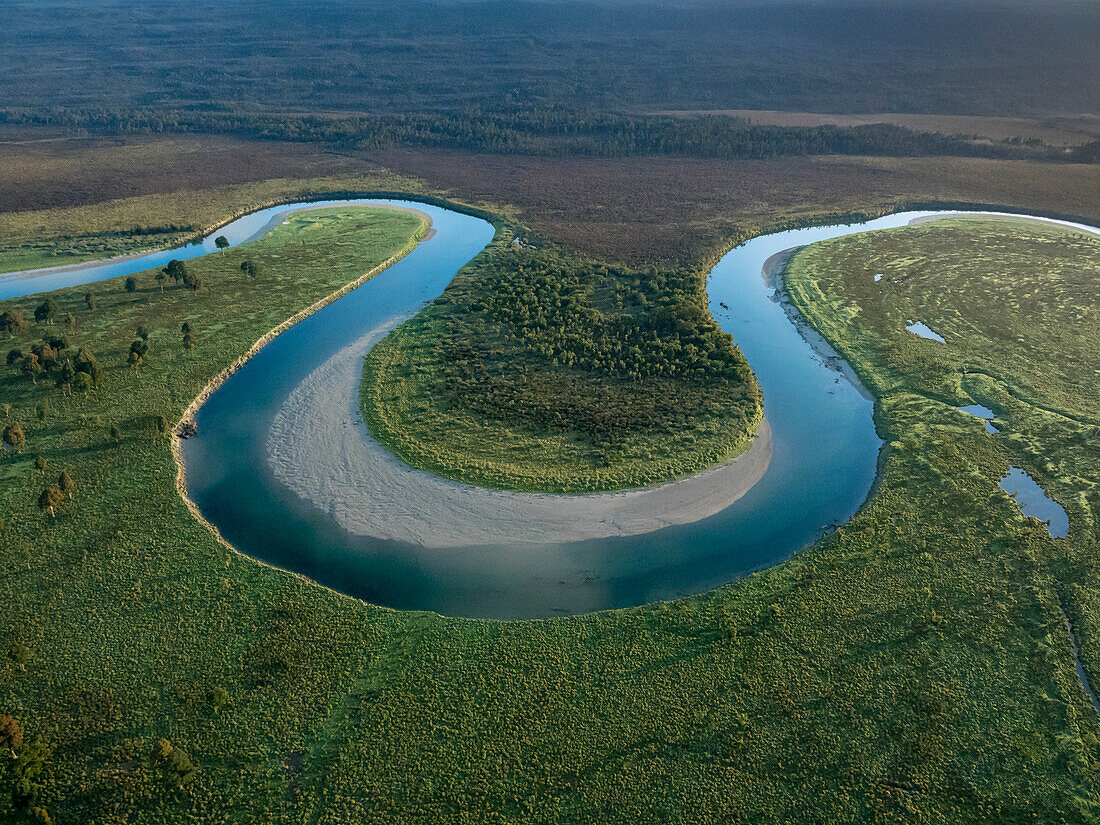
{"points": [[319, 448]]}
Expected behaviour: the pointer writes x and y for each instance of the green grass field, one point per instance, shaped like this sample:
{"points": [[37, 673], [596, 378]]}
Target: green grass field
{"points": [[541, 371], [54, 237], [912, 667]]}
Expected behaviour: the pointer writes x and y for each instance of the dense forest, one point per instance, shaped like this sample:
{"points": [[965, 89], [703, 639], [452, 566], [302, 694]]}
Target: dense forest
{"points": [[556, 131], [991, 57]]}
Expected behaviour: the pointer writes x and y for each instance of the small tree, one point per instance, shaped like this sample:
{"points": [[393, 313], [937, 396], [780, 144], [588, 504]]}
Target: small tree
{"points": [[221, 242], [175, 270], [186, 327], [188, 341], [131, 284], [12, 321], [174, 764], [46, 311], [143, 332], [70, 322], [49, 499], [250, 269], [138, 350], [192, 281], [89, 300], [40, 462], [160, 278], [116, 433], [11, 735], [66, 484], [15, 436], [86, 362], [32, 367], [47, 355], [82, 381], [15, 356]]}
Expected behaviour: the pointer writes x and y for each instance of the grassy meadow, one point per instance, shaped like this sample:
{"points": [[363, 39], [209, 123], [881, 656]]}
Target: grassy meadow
{"points": [[55, 237], [913, 666]]}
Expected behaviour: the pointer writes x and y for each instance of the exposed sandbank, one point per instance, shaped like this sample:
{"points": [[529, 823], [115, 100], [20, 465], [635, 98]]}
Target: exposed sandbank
{"points": [[319, 447]]}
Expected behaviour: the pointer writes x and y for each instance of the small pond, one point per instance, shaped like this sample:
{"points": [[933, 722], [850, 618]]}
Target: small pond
{"points": [[1035, 503]]}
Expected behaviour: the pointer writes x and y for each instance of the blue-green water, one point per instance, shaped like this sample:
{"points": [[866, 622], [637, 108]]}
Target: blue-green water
{"points": [[825, 452], [824, 456]]}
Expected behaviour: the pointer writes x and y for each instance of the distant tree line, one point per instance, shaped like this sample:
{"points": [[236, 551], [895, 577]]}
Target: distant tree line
{"points": [[555, 131]]}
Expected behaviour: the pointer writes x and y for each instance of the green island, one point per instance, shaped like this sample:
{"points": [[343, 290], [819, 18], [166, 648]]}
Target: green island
{"points": [[538, 370], [913, 665]]}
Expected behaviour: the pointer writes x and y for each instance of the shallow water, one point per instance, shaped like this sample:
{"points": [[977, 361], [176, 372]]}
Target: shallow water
{"points": [[823, 466], [921, 329], [978, 411], [1035, 503]]}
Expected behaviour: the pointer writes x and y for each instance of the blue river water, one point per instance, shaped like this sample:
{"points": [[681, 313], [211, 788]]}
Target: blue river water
{"points": [[825, 452]]}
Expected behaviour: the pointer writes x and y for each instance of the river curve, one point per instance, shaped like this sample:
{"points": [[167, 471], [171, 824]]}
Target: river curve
{"points": [[824, 455]]}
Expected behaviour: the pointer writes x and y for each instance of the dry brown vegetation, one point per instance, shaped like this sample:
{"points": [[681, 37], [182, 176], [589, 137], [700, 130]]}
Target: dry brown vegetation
{"points": [[634, 210], [1056, 131], [41, 170], [640, 210]]}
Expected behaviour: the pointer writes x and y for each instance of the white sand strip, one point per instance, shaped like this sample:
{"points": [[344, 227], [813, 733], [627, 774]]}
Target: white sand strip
{"points": [[319, 448]]}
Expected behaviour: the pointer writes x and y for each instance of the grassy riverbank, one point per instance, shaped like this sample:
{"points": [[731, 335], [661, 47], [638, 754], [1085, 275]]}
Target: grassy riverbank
{"points": [[55, 237], [911, 666], [537, 370]]}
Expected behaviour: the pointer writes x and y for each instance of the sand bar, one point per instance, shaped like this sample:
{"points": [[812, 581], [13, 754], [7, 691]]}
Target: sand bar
{"points": [[319, 447]]}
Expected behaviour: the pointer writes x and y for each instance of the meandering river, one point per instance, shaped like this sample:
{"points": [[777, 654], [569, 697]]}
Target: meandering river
{"points": [[824, 448]]}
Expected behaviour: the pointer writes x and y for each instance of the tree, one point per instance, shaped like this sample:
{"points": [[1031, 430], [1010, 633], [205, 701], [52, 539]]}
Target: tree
{"points": [[175, 270], [189, 342], [11, 735], [138, 350], [89, 300], [66, 484], [12, 321], [70, 321], [192, 281], [32, 367], [221, 242], [83, 382], [40, 462], [160, 278], [174, 764], [49, 499], [143, 332], [186, 327], [131, 284], [161, 424], [250, 269], [116, 433], [15, 436], [86, 362], [46, 354], [46, 311], [14, 357]]}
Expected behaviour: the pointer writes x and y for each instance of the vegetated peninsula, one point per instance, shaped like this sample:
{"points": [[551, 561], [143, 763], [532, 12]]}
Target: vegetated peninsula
{"points": [[544, 371]]}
